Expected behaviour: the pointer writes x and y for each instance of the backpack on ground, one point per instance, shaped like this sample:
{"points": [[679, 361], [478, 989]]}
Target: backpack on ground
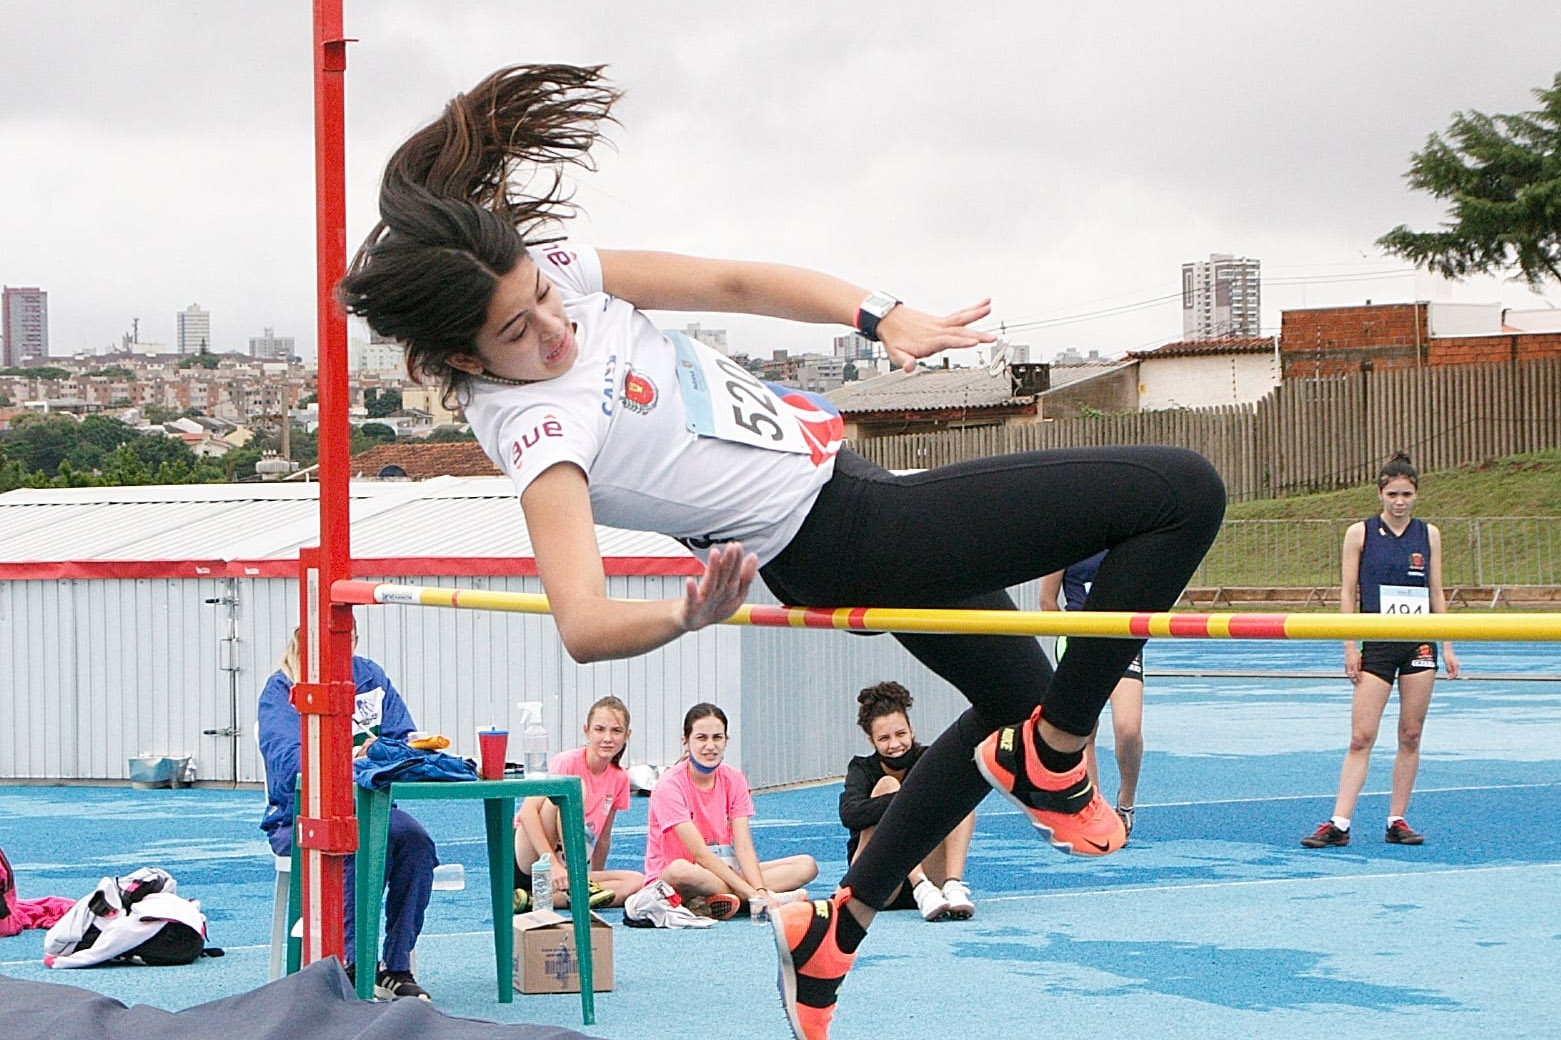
{"points": [[138, 918]]}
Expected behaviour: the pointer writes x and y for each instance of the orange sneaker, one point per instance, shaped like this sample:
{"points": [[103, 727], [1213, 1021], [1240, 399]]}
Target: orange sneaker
{"points": [[1065, 807], [718, 907], [812, 966]]}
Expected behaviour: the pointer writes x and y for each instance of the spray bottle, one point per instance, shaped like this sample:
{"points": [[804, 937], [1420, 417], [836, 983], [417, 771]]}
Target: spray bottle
{"points": [[533, 739]]}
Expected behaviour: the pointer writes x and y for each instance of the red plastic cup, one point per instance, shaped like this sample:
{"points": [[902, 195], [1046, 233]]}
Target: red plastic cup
{"points": [[492, 746]]}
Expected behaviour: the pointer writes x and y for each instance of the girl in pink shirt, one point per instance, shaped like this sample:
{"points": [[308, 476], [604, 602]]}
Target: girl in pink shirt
{"points": [[598, 765], [697, 837]]}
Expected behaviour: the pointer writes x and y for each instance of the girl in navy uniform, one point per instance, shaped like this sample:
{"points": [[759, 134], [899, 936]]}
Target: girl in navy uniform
{"points": [[1392, 565]]}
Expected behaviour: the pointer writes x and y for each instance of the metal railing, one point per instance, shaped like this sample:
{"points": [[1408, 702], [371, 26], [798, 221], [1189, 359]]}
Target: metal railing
{"points": [[1477, 551]]}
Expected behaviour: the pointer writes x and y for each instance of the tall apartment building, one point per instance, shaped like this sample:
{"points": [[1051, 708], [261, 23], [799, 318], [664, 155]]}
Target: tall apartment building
{"points": [[1221, 297], [193, 330], [270, 345], [24, 324], [853, 346]]}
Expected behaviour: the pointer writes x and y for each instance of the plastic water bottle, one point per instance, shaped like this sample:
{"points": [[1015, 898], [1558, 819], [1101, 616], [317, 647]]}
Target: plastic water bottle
{"points": [[533, 739], [449, 877], [542, 883]]}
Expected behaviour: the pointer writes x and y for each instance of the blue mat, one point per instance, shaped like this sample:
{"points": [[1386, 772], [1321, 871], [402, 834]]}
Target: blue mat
{"points": [[1213, 921]]}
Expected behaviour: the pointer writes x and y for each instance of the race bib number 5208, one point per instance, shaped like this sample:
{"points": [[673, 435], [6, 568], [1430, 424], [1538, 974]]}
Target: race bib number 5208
{"points": [[728, 402]]}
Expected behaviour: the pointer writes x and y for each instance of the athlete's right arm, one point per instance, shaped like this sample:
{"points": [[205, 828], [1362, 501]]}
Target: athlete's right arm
{"points": [[557, 505], [1349, 591]]}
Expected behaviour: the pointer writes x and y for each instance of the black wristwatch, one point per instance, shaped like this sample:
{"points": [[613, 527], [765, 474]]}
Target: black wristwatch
{"points": [[873, 310]]}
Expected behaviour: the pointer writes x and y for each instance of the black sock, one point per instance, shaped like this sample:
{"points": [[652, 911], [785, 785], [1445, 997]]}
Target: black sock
{"points": [[1056, 761], [522, 879], [849, 932]]}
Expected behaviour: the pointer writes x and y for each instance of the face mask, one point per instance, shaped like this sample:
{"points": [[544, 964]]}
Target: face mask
{"points": [[898, 762], [703, 769]]}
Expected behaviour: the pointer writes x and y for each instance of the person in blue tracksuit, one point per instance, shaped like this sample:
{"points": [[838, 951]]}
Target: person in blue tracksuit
{"points": [[411, 857], [1392, 564]]}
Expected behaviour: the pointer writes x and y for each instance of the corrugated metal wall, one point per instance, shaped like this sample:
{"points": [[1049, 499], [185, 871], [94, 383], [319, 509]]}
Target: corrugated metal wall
{"points": [[800, 686], [95, 672]]}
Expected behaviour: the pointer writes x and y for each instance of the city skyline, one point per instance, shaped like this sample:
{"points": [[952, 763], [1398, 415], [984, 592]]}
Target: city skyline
{"points": [[1066, 162]]}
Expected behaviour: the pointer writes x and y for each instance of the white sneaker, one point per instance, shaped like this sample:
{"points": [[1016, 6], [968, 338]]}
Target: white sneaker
{"points": [[658, 905], [930, 901], [958, 895], [795, 895]]}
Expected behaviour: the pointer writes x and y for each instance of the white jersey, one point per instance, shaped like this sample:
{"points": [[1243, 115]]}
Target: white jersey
{"points": [[672, 437]]}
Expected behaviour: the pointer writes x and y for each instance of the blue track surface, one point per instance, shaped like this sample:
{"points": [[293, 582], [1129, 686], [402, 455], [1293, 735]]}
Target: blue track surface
{"points": [[1212, 922]]}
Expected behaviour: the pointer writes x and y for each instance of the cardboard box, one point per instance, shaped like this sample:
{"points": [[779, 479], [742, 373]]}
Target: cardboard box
{"points": [[545, 957]]}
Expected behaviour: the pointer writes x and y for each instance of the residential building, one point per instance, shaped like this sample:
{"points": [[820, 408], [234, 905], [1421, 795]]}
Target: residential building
{"points": [[192, 333], [270, 345], [1221, 297], [1207, 372], [715, 339], [24, 324], [853, 346]]}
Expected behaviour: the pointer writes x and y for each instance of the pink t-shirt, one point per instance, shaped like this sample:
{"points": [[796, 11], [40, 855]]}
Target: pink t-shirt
{"points": [[603, 794], [676, 800]]}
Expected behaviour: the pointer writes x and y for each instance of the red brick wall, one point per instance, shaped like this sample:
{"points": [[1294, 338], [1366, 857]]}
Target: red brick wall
{"points": [[1508, 346], [1333, 340]]}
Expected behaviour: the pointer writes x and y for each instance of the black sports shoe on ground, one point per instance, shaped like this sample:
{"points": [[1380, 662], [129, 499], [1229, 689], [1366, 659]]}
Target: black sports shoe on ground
{"points": [[1325, 835], [389, 985], [1401, 833]]}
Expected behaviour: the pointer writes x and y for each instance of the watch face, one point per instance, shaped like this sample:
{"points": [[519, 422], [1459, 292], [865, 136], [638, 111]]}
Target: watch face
{"points": [[879, 304]]}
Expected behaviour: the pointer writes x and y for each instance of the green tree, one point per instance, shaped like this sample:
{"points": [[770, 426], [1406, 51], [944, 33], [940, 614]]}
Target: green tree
{"points": [[1501, 176], [41, 442], [41, 372], [450, 435], [374, 433], [123, 467], [13, 475], [383, 402]]}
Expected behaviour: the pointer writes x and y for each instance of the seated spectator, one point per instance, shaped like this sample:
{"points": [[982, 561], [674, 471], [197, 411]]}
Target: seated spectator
{"points": [[935, 886], [411, 857], [698, 839], [598, 764]]}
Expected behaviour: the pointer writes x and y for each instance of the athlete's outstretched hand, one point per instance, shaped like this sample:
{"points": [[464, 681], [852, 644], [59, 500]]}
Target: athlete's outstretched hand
{"points": [[909, 335], [717, 595]]}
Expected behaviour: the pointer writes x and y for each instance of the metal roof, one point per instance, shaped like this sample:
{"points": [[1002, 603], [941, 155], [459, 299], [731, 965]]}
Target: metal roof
{"points": [[927, 389], [432, 525]]}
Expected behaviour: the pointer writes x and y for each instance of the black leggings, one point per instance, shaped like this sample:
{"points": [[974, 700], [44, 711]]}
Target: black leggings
{"points": [[959, 536]]}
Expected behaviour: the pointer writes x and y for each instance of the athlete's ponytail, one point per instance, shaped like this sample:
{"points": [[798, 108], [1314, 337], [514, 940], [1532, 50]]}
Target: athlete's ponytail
{"points": [[456, 202]]}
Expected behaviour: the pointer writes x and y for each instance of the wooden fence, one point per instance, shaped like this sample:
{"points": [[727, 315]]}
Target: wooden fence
{"points": [[1307, 434]]}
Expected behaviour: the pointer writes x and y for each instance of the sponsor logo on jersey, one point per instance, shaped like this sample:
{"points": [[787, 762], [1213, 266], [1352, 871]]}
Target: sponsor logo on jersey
{"points": [[550, 426], [558, 256], [639, 393], [609, 371]]}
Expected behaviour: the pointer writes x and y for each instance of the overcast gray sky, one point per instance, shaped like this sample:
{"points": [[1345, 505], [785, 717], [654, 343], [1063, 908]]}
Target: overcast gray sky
{"points": [[1063, 159]]}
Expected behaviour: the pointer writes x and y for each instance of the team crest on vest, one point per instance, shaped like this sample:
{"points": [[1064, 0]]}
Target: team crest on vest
{"points": [[639, 393], [1417, 561]]}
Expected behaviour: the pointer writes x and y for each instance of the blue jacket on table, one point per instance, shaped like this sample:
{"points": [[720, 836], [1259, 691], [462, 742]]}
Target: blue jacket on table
{"points": [[379, 712]]}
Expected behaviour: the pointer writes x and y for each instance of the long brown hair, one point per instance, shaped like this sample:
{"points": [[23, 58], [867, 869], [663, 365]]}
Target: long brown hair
{"points": [[457, 201]]}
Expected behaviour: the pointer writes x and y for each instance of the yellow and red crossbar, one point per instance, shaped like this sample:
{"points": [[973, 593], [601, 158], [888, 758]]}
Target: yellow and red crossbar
{"points": [[1486, 626]]}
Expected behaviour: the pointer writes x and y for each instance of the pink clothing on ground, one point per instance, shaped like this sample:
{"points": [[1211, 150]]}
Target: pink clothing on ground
{"points": [[43, 912], [604, 794], [676, 800]]}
